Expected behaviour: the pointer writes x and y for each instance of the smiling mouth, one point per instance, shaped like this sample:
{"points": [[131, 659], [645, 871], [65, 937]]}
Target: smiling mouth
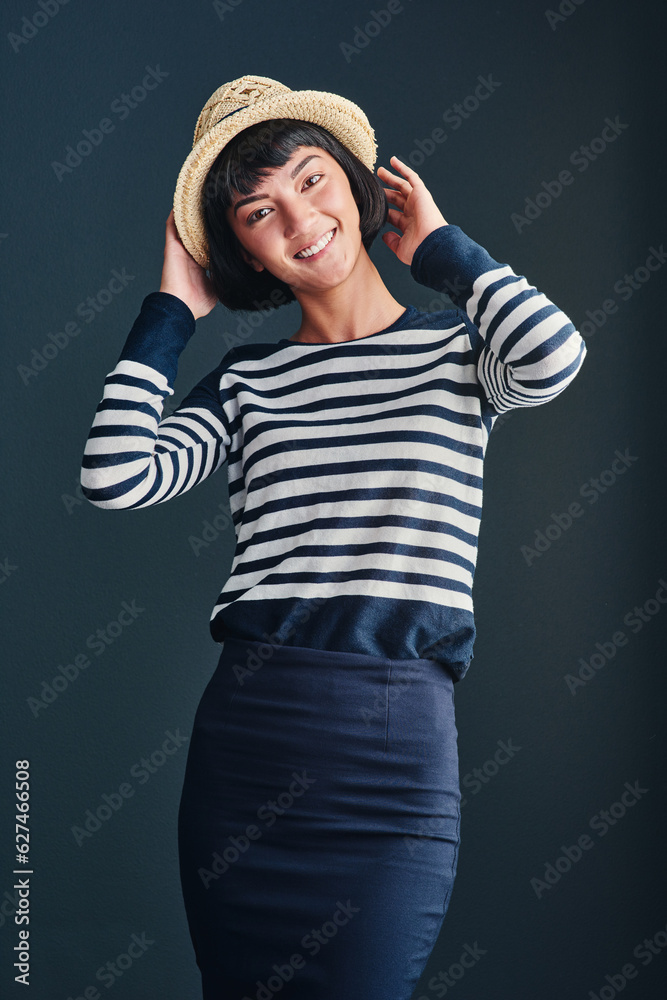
{"points": [[315, 248]]}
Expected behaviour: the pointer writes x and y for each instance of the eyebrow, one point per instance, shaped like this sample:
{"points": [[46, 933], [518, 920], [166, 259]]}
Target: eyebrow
{"points": [[258, 197]]}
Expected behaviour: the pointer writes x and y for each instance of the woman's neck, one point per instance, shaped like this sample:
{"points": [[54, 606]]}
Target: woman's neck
{"points": [[359, 306]]}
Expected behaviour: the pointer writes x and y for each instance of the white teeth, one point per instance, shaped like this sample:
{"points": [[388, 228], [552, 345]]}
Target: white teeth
{"points": [[316, 247]]}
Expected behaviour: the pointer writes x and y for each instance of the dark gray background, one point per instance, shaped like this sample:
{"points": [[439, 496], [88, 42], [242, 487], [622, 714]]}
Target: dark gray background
{"points": [[69, 566]]}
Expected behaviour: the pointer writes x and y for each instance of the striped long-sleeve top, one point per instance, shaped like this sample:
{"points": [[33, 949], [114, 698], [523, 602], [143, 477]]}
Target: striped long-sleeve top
{"points": [[354, 468]]}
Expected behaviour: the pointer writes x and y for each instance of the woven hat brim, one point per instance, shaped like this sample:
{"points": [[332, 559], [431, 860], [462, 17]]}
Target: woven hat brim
{"points": [[344, 119]]}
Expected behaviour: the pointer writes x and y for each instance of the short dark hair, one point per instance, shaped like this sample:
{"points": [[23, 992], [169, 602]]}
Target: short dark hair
{"points": [[237, 169]]}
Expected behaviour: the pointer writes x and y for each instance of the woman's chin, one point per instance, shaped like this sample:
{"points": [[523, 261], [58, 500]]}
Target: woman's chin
{"points": [[324, 279]]}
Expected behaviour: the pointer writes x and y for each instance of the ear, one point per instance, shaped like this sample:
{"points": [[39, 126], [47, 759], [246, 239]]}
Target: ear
{"points": [[252, 261]]}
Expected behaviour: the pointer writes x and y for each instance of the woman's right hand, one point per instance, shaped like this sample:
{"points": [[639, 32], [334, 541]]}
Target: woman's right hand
{"points": [[183, 276]]}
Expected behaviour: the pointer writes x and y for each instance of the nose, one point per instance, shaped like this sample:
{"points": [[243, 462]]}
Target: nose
{"points": [[299, 217]]}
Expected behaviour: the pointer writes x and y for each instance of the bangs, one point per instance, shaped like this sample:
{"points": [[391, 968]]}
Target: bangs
{"points": [[250, 155]]}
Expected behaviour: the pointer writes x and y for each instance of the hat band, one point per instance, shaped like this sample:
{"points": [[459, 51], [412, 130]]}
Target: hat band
{"points": [[229, 113]]}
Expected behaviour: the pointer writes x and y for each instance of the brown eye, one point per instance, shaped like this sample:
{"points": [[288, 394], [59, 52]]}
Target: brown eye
{"points": [[255, 215], [314, 177]]}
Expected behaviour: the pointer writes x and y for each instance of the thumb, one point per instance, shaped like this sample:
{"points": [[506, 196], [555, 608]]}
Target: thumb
{"points": [[391, 240]]}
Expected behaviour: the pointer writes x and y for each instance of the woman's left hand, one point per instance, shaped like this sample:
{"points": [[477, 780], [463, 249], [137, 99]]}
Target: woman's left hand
{"points": [[414, 212]]}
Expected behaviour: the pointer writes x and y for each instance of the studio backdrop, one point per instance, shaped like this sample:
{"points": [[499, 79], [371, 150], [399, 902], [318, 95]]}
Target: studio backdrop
{"points": [[540, 132]]}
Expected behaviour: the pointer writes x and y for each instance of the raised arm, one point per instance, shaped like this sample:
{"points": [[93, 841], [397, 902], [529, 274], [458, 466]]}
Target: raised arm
{"points": [[132, 457], [528, 349]]}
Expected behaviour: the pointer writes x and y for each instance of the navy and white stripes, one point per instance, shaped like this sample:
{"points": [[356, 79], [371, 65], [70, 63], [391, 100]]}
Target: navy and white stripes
{"points": [[354, 468]]}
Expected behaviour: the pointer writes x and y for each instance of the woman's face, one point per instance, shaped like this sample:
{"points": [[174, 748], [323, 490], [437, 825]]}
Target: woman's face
{"points": [[301, 223]]}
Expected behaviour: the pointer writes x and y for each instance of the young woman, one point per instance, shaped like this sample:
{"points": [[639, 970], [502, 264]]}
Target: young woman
{"points": [[319, 819]]}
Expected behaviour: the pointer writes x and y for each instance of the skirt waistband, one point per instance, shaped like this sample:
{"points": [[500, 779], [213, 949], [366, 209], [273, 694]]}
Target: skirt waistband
{"points": [[251, 653]]}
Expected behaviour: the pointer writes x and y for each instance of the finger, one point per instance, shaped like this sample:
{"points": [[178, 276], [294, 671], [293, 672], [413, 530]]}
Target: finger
{"points": [[396, 197], [396, 219], [402, 167], [395, 180], [391, 240], [412, 175], [402, 186]]}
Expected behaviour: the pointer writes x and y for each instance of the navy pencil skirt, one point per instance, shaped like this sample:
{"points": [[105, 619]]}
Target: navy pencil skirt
{"points": [[318, 826]]}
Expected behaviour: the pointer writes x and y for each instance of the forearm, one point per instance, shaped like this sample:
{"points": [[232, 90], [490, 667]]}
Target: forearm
{"points": [[132, 457], [530, 349]]}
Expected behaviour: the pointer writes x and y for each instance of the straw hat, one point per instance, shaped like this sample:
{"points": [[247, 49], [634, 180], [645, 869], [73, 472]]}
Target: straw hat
{"points": [[237, 105]]}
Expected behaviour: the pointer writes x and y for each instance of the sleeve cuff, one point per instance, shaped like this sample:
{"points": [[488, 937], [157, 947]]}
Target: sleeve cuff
{"points": [[449, 261], [160, 333]]}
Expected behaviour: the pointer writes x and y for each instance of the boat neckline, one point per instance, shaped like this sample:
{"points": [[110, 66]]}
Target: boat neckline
{"points": [[398, 324]]}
